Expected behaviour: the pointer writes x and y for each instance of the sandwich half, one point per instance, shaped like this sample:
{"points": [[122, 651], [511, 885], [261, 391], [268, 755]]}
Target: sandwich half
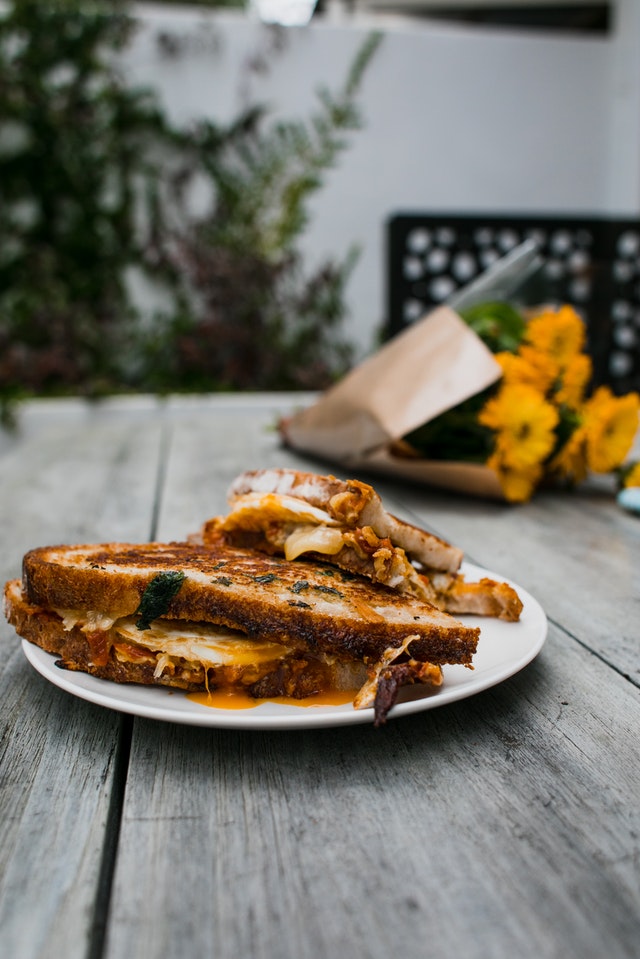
{"points": [[227, 618], [345, 523]]}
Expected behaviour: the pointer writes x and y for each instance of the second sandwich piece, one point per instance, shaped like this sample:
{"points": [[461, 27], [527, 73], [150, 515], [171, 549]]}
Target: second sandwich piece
{"points": [[344, 523]]}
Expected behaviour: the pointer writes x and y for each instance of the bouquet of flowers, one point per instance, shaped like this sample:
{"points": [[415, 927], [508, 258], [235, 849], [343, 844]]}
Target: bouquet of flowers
{"points": [[490, 401], [537, 424]]}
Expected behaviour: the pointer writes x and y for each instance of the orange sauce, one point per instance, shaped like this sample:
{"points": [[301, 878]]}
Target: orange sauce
{"points": [[224, 699], [237, 699]]}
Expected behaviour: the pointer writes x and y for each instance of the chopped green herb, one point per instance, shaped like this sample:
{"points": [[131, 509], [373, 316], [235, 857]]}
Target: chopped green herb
{"points": [[345, 576], [329, 589], [327, 572], [157, 597], [219, 565], [222, 580], [299, 586], [298, 602], [267, 578]]}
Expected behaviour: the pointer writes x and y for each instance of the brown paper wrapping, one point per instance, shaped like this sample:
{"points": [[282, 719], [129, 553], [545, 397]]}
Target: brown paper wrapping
{"points": [[429, 368]]}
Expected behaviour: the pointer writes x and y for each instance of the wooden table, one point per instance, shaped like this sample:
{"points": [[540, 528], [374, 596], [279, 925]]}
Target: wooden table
{"points": [[503, 825]]}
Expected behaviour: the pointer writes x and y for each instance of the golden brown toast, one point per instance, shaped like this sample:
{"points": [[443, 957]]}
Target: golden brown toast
{"points": [[266, 597]]}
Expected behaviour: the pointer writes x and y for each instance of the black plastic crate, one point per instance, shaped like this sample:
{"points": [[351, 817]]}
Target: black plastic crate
{"points": [[593, 264]]}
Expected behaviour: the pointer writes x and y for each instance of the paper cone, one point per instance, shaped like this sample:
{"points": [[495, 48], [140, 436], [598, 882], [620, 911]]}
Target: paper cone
{"points": [[429, 368]]}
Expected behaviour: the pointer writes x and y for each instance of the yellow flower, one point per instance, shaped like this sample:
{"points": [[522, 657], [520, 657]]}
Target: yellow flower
{"points": [[611, 423], [632, 477], [518, 486], [575, 378], [570, 463], [529, 366], [524, 424], [559, 333]]}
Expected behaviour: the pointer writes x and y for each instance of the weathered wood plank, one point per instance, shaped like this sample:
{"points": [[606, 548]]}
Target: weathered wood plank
{"points": [[503, 825], [88, 478]]}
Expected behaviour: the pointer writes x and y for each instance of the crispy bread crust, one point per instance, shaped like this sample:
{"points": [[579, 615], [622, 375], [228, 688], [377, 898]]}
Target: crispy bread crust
{"points": [[263, 596], [450, 592]]}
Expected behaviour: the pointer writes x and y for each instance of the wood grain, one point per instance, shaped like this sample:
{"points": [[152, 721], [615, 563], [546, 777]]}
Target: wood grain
{"points": [[208, 446], [76, 478], [504, 825]]}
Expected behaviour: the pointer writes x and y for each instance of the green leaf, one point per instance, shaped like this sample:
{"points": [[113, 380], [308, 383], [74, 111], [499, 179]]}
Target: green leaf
{"points": [[455, 434], [157, 597], [499, 325]]}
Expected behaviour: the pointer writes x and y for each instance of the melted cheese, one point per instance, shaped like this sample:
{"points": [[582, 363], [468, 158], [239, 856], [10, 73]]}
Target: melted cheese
{"points": [[198, 642], [317, 539], [90, 619], [252, 510]]}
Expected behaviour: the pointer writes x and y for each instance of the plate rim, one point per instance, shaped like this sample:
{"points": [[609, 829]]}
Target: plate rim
{"points": [[110, 695]]}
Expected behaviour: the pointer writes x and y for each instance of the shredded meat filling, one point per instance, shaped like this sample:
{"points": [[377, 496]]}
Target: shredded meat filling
{"points": [[347, 506], [99, 642], [392, 678]]}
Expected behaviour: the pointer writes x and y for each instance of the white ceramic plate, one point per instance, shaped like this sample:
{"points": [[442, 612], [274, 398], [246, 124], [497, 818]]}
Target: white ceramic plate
{"points": [[504, 648]]}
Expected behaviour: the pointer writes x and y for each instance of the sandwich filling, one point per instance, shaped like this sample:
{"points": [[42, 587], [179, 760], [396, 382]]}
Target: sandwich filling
{"points": [[284, 524], [182, 654]]}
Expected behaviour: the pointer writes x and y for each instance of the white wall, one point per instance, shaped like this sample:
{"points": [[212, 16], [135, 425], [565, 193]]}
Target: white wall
{"points": [[456, 118], [623, 130]]}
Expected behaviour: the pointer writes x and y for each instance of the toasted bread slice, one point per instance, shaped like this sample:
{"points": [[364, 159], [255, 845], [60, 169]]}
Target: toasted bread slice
{"points": [[295, 604], [357, 551]]}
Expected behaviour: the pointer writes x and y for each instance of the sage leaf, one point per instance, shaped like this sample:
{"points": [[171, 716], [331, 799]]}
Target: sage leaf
{"points": [[157, 597]]}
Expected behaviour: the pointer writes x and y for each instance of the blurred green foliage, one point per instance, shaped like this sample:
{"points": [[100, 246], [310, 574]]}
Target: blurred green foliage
{"points": [[456, 434], [71, 140], [95, 188], [498, 324]]}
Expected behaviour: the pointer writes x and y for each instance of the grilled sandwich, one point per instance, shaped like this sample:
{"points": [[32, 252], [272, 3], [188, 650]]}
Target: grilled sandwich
{"points": [[222, 617], [344, 523]]}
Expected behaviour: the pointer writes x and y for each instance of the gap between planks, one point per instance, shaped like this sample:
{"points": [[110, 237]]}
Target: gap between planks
{"points": [[113, 826]]}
